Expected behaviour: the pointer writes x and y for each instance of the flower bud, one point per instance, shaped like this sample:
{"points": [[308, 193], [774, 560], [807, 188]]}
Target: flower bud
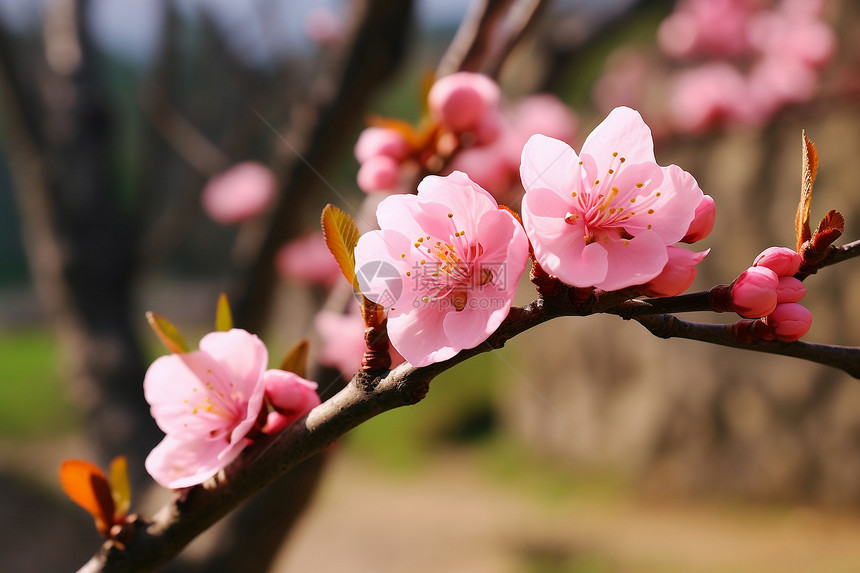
{"points": [[677, 275], [781, 260], [461, 101], [789, 290], [703, 221], [754, 292], [380, 173], [375, 141], [290, 394], [790, 321]]}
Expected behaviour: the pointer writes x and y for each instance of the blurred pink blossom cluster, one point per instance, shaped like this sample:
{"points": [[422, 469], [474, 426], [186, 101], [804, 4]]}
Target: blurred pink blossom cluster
{"points": [[467, 129], [769, 291], [463, 111], [752, 60], [742, 61]]}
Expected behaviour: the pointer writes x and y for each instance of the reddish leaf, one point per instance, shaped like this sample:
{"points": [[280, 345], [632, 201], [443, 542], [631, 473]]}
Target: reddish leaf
{"points": [[809, 171], [829, 229], [87, 486]]}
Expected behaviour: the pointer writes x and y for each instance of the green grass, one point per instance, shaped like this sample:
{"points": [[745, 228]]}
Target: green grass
{"points": [[33, 402]]}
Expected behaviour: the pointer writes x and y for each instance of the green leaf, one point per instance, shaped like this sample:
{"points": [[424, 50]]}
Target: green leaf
{"points": [[120, 487], [341, 235], [223, 314], [167, 333], [296, 358]]}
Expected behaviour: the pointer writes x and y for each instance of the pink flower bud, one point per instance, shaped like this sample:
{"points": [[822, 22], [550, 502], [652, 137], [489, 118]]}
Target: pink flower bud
{"points": [[677, 275], [790, 321], [290, 394], [375, 141], [781, 260], [240, 193], [703, 221], [380, 173], [754, 292], [461, 101], [789, 290]]}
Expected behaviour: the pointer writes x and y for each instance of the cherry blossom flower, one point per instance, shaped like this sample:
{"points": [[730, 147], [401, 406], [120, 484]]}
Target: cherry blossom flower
{"points": [[207, 402], [446, 264], [605, 218], [240, 193]]}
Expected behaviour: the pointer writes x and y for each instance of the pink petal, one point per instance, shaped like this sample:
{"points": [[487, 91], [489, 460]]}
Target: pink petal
{"points": [[622, 132], [290, 394], [419, 335], [633, 262], [380, 268], [244, 357], [680, 195], [551, 164], [176, 463], [176, 387]]}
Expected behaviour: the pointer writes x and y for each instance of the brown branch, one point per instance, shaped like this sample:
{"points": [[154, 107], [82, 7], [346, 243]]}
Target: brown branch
{"points": [[845, 358], [841, 253], [472, 41]]}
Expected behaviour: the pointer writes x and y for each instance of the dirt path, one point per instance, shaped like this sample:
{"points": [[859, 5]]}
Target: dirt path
{"points": [[452, 518]]}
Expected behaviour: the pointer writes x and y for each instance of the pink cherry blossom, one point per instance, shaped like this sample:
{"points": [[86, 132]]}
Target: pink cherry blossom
{"points": [[291, 396], [342, 337], [677, 275], [446, 264], [710, 95], [240, 193], [703, 222], [307, 260], [789, 321], [463, 100], [207, 402], [754, 292], [605, 218], [781, 260]]}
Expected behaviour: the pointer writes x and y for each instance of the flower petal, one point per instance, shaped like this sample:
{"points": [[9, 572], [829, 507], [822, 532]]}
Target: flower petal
{"points": [[177, 463], [624, 133], [551, 164], [634, 261], [419, 336]]}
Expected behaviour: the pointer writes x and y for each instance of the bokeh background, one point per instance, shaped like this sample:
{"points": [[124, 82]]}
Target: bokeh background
{"points": [[584, 445]]}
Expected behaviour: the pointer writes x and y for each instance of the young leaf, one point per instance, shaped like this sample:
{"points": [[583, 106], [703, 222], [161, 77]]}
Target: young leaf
{"points": [[223, 314], [809, 170], [120, 487], [87, 486], [167, 333], [341, 235], [296, 358]]}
